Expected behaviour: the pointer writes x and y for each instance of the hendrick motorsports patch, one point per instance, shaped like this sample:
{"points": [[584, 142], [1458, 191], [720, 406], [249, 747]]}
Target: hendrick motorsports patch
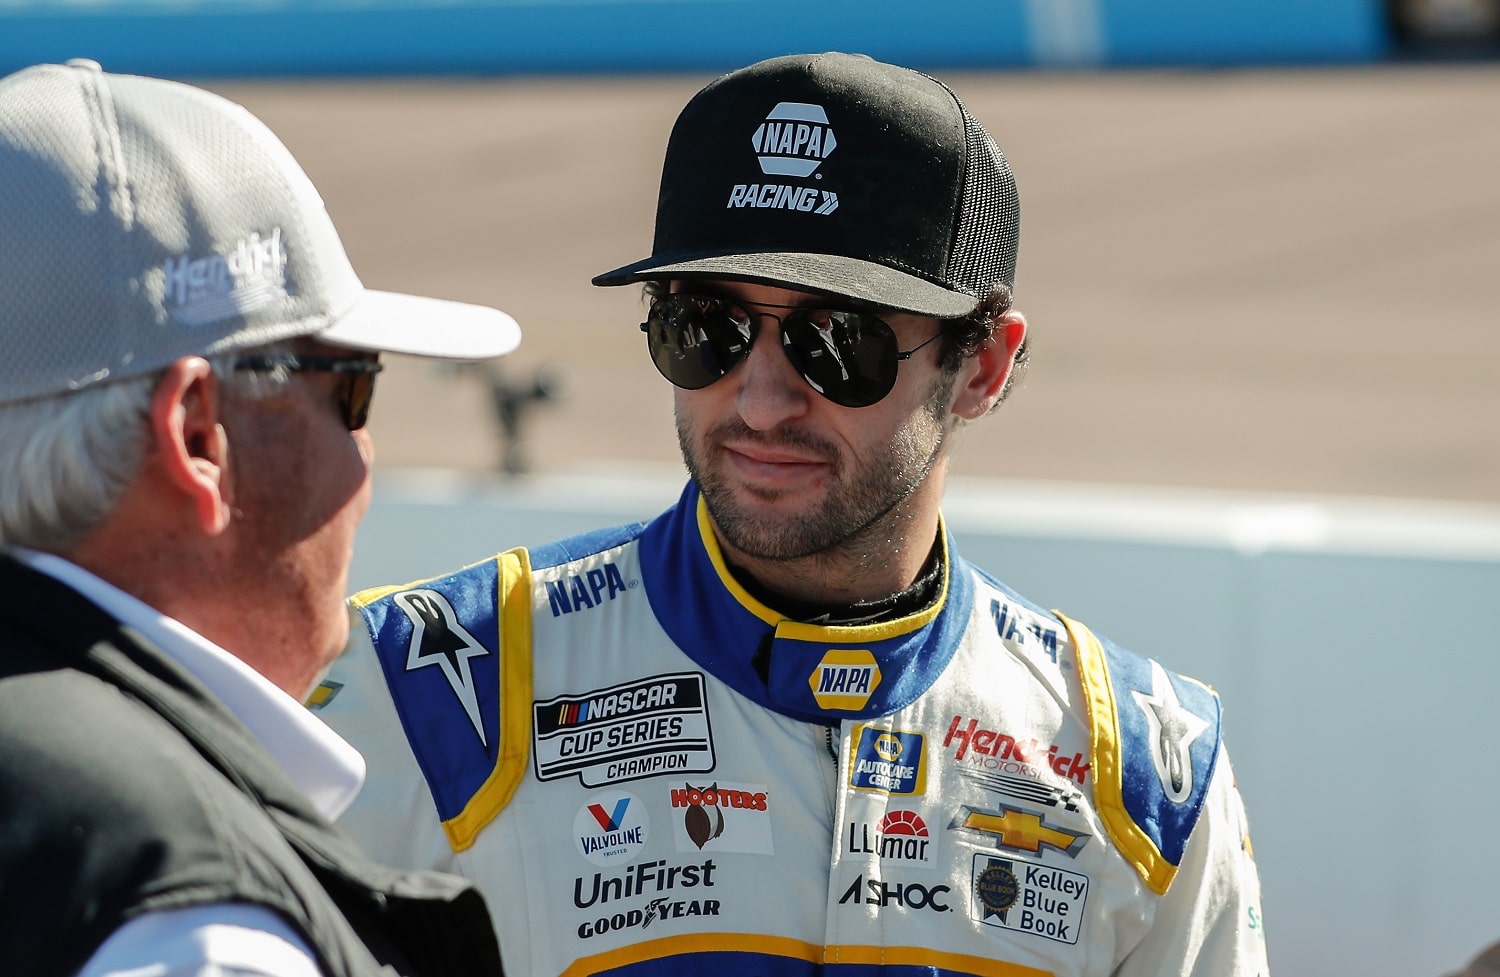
{"points": [[654, 726]]}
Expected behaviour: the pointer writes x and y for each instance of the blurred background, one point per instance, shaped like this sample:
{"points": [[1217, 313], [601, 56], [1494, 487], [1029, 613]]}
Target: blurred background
{"points": [[1260, 438]]}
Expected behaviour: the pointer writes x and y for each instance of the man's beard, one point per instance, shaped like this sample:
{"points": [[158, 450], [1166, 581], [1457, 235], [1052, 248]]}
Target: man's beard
{"points": [[852, 513]]}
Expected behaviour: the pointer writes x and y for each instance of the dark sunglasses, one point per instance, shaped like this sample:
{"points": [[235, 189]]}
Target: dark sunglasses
{"points": [[356, 379], [849, 357]]}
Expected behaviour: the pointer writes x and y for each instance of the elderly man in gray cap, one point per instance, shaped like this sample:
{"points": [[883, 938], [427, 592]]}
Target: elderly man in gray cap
{"points": [[186, 365]]}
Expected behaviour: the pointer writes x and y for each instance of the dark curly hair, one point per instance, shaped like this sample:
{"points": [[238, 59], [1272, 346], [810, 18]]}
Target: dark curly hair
{"points": [[962, 336]]}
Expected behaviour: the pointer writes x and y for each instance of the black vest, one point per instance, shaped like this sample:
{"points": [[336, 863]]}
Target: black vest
{"points": [[126, 788]]}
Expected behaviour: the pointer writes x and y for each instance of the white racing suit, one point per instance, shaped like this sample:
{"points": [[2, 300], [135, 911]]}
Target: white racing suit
{"points": [[648, 772]]}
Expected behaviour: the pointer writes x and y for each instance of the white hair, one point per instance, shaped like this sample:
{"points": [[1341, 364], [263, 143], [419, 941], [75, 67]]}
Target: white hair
{"points": [[67, 459]]}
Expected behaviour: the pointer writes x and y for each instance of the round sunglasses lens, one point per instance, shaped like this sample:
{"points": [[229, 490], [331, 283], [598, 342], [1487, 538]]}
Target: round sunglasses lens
{"points": [[848, 357], [694, 340]]}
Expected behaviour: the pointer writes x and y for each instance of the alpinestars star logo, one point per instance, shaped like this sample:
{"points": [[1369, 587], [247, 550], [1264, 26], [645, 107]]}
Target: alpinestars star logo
{"points": [[439, 639], [1173, 730]]}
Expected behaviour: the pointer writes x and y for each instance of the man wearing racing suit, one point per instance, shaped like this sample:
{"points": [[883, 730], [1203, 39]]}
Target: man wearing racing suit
{"points": [[785, 727]]}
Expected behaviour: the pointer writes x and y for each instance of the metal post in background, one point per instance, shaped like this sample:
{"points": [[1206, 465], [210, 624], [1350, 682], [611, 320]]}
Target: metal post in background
{"points": [[512, 399]]}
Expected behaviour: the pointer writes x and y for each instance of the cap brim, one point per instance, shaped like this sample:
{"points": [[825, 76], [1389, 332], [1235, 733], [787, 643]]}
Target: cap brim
{"points": [[390, 322], [825, 273]]}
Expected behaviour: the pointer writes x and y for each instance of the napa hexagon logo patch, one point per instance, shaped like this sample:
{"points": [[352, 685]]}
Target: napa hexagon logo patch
{"points": [[845, 679]]}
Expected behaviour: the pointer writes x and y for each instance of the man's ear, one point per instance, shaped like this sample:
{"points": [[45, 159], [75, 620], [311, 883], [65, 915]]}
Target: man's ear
{"points": [[189, 441], [985, 373]]}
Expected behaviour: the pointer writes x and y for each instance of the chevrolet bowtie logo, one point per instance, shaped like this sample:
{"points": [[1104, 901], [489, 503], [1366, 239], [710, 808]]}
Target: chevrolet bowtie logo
{"points": [[1019, 830]]}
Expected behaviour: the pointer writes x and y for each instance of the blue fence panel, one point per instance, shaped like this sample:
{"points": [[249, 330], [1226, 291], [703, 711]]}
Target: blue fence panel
{"points": [[1266, 31], [223, 38], [496, 37]]}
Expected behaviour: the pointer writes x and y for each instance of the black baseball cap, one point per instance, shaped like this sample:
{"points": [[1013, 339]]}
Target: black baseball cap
{"points": [[837, 174]]}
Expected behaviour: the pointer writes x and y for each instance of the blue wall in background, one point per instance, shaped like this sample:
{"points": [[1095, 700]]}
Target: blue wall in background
{"points": [[227, 38]]}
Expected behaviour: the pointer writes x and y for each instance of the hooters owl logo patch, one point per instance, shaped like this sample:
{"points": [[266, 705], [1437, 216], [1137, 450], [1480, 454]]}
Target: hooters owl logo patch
{"points": [[722, 816]]}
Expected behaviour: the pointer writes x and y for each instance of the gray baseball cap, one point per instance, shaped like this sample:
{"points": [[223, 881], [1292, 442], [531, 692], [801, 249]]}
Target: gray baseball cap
{"points": [[144, 220]]}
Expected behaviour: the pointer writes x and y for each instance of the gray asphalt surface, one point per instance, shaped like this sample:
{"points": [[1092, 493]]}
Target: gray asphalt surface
{"points": [[1268, 280]]}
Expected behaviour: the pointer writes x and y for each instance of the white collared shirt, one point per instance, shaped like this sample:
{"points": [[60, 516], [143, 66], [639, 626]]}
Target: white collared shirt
{"points": [[222, 938]]}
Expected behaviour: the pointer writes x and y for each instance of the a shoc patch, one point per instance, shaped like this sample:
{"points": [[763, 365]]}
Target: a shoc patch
{"points": [[657, 725], [611, 827], [887, 760], [845, 679], [719, 816], [1028, 898], [885, 894]]}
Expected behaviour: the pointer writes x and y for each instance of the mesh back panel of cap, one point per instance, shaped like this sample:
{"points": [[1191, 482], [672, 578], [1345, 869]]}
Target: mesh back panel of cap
{"points": [[34, 243], [989, 227], [241, 181], [112, 186]]}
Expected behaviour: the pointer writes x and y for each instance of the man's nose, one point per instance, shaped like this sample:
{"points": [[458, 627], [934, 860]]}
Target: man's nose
{"points": [[770, 391]]}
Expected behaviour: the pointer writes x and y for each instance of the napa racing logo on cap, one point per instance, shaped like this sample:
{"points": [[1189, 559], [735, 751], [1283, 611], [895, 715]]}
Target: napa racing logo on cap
{"points": [[611, 827], [845, 679], [888, 760], [793, 141], [651, 726]]}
